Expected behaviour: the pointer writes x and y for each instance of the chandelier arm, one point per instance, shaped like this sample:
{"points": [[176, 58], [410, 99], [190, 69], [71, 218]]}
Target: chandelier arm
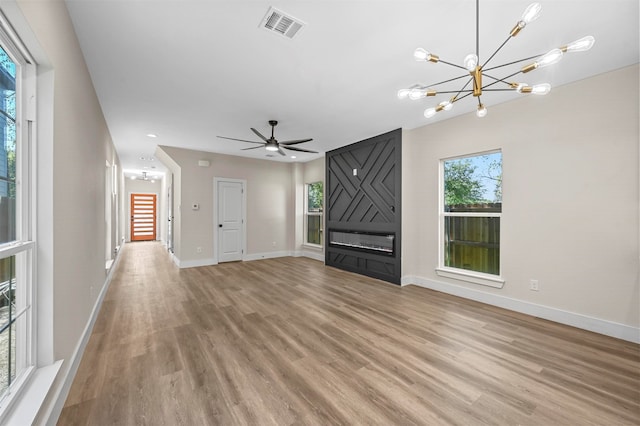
{"points": [[453, 65], [447, 81], [499, 80], [464, 96], [462, 90], [455, 91], [499, 90], [455, 97], [512, 63], [497, 50], [478, 28]]}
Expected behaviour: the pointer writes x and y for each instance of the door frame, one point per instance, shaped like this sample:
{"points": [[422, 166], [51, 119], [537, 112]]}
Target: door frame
{"points": [[157, 227], [217, 180]]}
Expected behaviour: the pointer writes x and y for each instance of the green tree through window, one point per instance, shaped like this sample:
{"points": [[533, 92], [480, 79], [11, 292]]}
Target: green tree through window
{"points": [[472, 207], [315, 194]]}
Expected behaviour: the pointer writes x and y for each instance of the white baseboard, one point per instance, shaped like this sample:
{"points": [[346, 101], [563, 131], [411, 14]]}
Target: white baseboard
{"points": [[313, 255], [70, 367], [247, 258], [267, 255], [194, 263], [608, 328]]}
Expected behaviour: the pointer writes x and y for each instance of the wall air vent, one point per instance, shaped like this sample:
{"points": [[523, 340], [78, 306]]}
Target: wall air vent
{"points": [[280, 23]]}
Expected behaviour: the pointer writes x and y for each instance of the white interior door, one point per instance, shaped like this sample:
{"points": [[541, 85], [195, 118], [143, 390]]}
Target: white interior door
{"points": [[230, 220]]}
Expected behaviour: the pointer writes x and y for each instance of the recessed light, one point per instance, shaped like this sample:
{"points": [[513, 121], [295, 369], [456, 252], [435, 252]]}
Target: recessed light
{"points": [[152, 135], [293, 156]]}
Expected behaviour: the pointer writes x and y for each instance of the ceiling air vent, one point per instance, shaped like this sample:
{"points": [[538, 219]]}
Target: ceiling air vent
{"points": [[281, 23]]}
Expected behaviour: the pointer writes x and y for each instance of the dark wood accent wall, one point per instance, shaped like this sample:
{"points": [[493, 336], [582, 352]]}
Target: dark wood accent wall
{"points": [[370, 201]]}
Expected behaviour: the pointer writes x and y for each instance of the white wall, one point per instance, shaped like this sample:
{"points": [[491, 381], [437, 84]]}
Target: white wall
{"points": [[73, 147], [270, 205], [570, 201]]}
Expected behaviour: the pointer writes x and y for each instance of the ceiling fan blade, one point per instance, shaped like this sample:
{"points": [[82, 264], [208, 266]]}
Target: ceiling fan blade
{"points": [[253, 147], [281, 151], [241, 140], [259, 135], [295, 141], [292, 148]]}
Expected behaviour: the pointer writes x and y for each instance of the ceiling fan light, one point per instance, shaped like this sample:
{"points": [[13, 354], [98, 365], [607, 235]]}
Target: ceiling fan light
{"points": [[581, 45], [531, 13], [271, 147]]}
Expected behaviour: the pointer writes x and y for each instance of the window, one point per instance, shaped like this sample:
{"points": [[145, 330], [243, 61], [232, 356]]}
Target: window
{"points": [[16, 235], [313, 213], [471, 206]]}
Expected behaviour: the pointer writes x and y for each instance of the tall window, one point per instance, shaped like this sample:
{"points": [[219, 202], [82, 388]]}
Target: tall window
{"points": [[16, 236], [470, 213], [313, 213]]}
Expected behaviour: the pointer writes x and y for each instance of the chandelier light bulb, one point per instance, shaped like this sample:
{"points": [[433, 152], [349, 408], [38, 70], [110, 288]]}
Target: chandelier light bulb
{"points": [[446, 105], [551, 57], [521, 86], [581, 45], [541, 89], [420, 54], [531, 13], [403, 93], [429, 112], [470, 62], [415, 94], [481, 111]]}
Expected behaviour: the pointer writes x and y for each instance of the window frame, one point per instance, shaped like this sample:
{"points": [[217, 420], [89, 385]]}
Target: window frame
{"points": [[307, 214], [466, 275], [24, 244]]}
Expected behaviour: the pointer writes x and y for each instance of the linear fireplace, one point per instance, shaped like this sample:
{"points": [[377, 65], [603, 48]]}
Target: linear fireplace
{"points": [[380, 243], [364, 207]]}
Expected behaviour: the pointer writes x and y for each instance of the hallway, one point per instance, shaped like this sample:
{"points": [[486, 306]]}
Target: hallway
{"points": [[290, 341]]}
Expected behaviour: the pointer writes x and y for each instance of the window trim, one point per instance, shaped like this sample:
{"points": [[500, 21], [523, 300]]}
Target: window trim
{"points": [[307, 213], [25, 213], [475, 277]]}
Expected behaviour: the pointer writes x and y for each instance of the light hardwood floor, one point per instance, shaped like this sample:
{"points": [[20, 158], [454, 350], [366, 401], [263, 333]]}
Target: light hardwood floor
{"points": [[290, 341]]}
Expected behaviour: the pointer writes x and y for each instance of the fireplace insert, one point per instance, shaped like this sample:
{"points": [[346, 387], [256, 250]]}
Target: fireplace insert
{"points": [[372, 242]]}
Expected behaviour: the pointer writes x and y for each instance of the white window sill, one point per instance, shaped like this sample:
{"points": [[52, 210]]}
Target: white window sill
{"points": [[472, 277], [312, 246], [24, 410]]}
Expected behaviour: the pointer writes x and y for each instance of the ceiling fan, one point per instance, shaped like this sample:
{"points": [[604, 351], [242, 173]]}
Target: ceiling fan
{"points": [[272, 144]]}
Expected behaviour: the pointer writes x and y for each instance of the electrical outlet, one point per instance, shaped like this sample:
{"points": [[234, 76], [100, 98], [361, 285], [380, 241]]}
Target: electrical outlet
{"points": [[534, 285], [199, 249]]}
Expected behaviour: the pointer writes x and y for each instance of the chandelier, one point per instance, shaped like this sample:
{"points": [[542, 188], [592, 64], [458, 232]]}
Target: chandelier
{"points": [[481, 79]]}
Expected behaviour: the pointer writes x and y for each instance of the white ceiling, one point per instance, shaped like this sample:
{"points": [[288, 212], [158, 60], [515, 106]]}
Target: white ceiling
{"points": [[189, 70]]}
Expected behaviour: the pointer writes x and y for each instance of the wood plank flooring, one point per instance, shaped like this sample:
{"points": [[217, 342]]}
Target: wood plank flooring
{"points": [[289, 341]]}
